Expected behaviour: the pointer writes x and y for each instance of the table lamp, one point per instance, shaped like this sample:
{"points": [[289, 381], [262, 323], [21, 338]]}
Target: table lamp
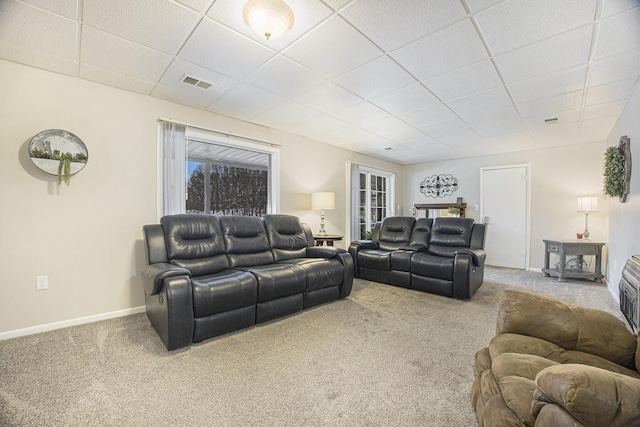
{"points": [[323, 200], [587, 204]]}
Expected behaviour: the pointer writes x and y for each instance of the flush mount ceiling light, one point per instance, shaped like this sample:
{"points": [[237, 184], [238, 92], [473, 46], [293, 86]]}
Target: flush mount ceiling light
{"points": [[268, 18]]}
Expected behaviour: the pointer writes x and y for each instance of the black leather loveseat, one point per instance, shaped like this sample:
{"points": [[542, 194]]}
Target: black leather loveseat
{"points": [[209, 275], [443, 256]]}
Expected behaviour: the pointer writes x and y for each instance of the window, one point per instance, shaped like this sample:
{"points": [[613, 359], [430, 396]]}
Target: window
{"points": [[207, 172], [372, 198]]}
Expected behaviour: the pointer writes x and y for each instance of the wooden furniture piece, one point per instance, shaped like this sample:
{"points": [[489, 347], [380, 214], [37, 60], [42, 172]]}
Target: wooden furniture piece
{"points": [[329, 238], [428, 208], [579, 248]]}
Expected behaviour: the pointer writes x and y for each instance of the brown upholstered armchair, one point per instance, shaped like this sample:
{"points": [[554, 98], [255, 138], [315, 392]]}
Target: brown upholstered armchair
{"points": [[553, 364]]}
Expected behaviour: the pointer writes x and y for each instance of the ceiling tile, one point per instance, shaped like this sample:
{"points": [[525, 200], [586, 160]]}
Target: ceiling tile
{"points": [[328, 98], [362, 113], [615, 67], [109, 78], [479, 5], [333, 48], [431, 55], [222, 56], [607, 109], [170, 94], [121, 56], [307, 14], [66, 8], [285, 78], [161, 25], [496, 123], [613, 7], [393, 25], [38, 30], [610, 92], [320, 127], [393, 129], [442, 130], [376, 78], [517, 23], [517, 141], [493, 99], [172, 79], [37, 58], [406, 99], [290, 114], [197, 5], [551, 106], [562, 51], [466, 81], [610, 37], [428, 115], [596, 129], [550, 84], [246, 101]]}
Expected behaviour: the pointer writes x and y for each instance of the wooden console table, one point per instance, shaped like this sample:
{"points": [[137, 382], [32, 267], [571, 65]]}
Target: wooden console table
{"points": [[573, 247], [329, 238]]}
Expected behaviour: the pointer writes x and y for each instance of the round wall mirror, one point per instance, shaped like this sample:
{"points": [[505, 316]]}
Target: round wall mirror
{"points": [[58, 152]]}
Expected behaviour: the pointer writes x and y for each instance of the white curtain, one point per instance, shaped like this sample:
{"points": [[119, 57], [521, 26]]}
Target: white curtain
{"points": [[174, 165], [353, 204]]}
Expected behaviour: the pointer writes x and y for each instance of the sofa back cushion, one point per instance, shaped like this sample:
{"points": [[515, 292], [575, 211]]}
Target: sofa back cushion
{"points": [[421, 232], [450, 234], [246, 240], [286, 236], [395, 231], [195, 242]]}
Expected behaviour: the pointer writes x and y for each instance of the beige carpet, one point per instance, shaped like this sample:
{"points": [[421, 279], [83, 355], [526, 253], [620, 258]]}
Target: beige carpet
{"points": [[386, 356]]}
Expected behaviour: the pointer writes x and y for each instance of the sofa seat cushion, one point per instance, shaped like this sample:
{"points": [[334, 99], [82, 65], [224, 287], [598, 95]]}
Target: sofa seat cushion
{"points": [[323, 274], [432, 266], [224, 291], [375, 259], [515, 343], [278, 280]]}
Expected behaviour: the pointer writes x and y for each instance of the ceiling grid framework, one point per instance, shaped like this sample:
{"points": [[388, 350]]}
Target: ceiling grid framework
{"points": [[408, 81]]}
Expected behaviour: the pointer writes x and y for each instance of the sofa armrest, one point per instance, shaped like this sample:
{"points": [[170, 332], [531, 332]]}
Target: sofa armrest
{"points": [[477, 255], [153, 276], [324, 251], [364, 244], [589, 395]]}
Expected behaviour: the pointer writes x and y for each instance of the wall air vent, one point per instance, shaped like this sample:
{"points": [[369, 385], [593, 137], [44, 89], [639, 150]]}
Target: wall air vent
{"points": [[187, 79], [551, 121]]}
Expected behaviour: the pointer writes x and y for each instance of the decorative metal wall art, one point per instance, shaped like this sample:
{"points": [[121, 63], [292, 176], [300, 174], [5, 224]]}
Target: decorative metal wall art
{"points": [[439, 185]]}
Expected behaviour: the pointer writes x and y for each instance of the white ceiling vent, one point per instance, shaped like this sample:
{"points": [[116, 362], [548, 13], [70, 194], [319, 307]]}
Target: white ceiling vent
{"points": [[195, 82]]}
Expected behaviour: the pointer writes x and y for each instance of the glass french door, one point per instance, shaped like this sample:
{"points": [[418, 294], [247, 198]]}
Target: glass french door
{"points": [[374, 201]]}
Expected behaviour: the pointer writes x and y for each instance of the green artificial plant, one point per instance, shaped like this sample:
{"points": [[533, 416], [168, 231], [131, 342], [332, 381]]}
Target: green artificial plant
{"points": [[613, 171]]}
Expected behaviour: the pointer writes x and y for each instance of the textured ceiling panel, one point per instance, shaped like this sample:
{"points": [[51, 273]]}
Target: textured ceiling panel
{"points": [[403, 80]]}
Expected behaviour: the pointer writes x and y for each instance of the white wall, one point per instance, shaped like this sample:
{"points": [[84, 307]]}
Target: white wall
{"points": [[624, 218], [87, 237], [558, 177]]}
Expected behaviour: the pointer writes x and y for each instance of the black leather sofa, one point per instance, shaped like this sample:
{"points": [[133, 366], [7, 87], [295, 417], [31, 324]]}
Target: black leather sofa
{"points": [[444, 256], [209, 275]]}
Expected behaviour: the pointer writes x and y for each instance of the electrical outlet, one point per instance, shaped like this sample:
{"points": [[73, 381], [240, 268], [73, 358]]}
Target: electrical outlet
{"points": [[42, 283]]}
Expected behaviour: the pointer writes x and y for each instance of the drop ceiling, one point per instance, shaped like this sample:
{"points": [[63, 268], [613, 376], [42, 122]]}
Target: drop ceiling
{"points": [[404, 80]]}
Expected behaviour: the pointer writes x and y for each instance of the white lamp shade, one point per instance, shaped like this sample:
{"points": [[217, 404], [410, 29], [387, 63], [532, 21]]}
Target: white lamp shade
{"points": [[323, 200], [587, 204], [268, 18]]}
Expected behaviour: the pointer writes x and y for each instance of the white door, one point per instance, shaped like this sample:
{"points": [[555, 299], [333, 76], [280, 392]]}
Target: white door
{"points": [[505, 210]]}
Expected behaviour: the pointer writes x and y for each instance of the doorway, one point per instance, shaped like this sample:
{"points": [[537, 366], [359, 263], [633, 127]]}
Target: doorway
{"points": [[505, 210]]}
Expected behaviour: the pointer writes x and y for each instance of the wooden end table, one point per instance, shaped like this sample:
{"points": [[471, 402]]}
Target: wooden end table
{"points": [[573, 247], [329, 238]]}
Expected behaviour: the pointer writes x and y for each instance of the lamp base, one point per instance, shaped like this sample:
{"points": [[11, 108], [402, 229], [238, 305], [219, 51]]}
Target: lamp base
{"points": [[322, 231]]}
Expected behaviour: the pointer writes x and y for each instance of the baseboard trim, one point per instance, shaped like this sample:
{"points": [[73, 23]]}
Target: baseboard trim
{"points": [[71, 322], [535, 270]]}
